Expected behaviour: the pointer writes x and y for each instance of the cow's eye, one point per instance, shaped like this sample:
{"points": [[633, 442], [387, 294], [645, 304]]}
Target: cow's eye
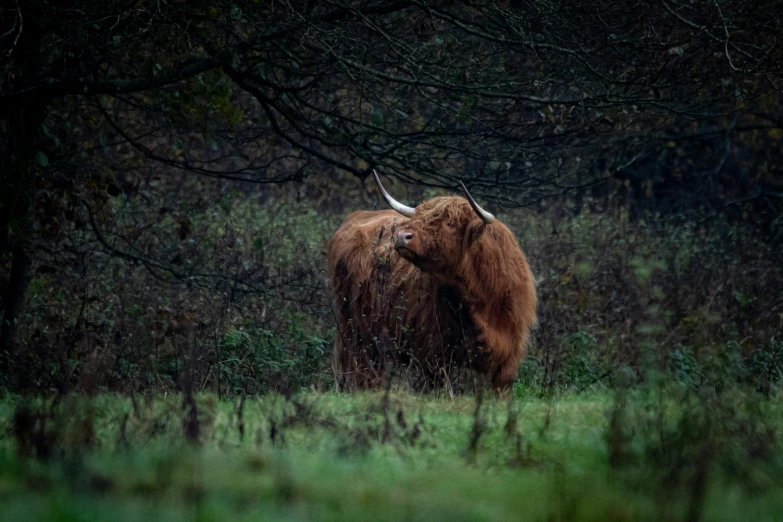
{"points": [[449, 224]]}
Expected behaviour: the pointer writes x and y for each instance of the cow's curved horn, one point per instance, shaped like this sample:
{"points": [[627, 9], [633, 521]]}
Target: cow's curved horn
{"points": [[396, 205], [485, 216]]}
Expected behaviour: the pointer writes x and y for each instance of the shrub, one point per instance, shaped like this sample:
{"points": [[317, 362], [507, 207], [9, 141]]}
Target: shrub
{"points": [[258, 360]]}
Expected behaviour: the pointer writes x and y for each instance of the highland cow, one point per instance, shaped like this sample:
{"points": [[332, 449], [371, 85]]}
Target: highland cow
{"points": [[440, 286]]}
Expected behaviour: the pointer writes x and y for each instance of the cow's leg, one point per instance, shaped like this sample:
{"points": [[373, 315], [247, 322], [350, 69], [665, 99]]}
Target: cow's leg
{"points": [[504, 376], [337, 369], [343, 365]]}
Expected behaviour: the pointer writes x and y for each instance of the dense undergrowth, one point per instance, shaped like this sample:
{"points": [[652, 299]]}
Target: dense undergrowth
{"points": [[658, 453], [250, 310]]}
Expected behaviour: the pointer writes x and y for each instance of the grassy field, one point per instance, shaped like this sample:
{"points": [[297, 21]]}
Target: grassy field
{"points": [[639, 456]]}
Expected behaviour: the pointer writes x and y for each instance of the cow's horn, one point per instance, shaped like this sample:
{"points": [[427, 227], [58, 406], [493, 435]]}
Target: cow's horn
{"points": [[485, 216], [396, 205]]}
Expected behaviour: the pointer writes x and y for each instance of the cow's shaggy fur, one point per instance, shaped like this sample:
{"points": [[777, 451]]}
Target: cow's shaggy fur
{"points": [[460, 293]]}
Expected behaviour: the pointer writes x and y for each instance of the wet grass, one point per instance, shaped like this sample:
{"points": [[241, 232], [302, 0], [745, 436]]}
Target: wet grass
{"points": [[391, 457]]}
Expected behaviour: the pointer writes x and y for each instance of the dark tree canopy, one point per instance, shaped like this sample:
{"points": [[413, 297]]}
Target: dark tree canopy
{"points": [[523, 100]]}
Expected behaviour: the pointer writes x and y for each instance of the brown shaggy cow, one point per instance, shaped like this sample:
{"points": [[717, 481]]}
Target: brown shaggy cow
{"points": [[441, 286]]}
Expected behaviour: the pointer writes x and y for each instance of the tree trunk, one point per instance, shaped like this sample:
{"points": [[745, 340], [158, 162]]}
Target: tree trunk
{"points": [[13, 301], [16, 221], [20, 124]]}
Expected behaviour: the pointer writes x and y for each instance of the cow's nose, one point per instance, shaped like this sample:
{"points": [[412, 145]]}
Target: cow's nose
{"points": [[402, 239]]}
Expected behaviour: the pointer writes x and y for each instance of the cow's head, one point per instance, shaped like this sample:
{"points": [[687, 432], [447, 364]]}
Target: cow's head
{"points": [[440, 233]]}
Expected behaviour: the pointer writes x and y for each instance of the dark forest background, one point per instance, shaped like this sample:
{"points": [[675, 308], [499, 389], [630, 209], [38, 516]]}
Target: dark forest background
{"points": [[171, 172]]}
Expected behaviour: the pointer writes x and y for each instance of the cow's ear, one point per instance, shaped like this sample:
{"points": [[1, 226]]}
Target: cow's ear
{"points": [[475, 230]]}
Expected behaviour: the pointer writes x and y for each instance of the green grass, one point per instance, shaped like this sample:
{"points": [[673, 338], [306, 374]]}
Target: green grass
{"points": [[335, 457]]}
